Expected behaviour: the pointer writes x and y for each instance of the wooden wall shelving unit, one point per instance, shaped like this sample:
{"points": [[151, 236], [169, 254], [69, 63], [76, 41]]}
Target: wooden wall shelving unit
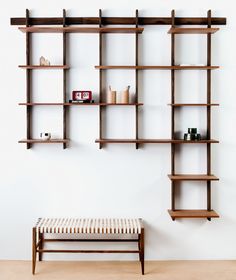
{"points": [[62, 25]]}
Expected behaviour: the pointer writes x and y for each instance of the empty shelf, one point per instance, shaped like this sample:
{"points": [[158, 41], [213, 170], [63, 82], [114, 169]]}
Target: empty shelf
{"points": [[179, 214], [193, 177], [193, 104], [174, 30]]}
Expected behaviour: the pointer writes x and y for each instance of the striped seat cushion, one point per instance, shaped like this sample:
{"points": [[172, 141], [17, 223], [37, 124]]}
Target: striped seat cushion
{"points": [[77, 225]]}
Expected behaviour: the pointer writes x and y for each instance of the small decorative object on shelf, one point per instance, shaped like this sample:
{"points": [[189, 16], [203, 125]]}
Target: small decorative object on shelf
{"points": [[192, 135], [43, 61], [45, 135], [111, 98], [81, 96], [125, 96]]}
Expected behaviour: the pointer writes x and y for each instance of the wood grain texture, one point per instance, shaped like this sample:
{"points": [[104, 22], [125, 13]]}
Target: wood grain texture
{"points": [[136, 81], [174, 30], [44, 67], [80, 30], [90, 240], [172, 58], [78, 104], [39, 141], [208, 200], [89, 251], [193, 104], [28, 81], [179, 214], [193, 177], [117, 270], [153, 67], [64, 55], [119, 20], [153, 141]]}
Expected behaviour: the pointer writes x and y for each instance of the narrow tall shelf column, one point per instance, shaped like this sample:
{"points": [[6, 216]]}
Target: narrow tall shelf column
{"points": [[208, 177], [102, 111]]}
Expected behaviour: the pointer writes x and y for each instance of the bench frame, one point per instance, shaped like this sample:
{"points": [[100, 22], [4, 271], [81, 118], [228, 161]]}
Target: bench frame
{"points": [[38, 242]]}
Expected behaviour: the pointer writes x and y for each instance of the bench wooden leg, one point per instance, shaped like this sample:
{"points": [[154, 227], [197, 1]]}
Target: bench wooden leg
{"points": [[34, 240], [41, 236], [141, 249]]}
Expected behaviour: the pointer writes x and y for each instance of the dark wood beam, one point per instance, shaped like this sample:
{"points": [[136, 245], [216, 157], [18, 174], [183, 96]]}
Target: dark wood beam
{"points": [[120, 20]]}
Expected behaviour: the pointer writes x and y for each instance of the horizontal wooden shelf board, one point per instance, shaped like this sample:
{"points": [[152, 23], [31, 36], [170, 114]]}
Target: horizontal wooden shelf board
{"points": [[193, 177], [177, 30], [51, 141], [120, 104], [193, 104], [81, 104], [80, 30], [178, 214], [152, 141], [157, 67], [44, 67]]}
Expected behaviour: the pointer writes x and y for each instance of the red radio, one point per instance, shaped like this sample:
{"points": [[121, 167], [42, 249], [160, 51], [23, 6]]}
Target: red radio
{"points": [[82, 95]]}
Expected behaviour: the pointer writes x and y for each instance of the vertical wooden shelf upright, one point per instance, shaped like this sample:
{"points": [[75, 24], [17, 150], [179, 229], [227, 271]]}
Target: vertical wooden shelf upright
{"points": [[101, 108], [64, 83], [208, 177], [28, 84], [136, 82]]}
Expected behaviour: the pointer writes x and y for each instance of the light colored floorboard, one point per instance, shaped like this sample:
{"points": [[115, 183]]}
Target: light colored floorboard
{"points": [[155, 270]]}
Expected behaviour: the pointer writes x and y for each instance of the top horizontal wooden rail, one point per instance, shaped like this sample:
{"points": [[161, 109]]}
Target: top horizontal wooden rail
{"points": [[119, 20]]}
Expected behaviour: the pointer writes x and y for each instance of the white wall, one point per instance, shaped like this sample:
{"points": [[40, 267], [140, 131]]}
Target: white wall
{"points": [[118, 180]]}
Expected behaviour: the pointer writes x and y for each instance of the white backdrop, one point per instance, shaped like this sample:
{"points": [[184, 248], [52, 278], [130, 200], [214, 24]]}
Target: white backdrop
{"points": [[118, 180]]}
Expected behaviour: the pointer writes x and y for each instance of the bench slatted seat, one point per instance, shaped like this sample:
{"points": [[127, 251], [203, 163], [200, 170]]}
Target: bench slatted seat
{"points": [[85, 226]]}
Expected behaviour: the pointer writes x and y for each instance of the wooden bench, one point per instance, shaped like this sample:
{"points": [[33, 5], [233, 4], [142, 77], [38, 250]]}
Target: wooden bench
{"points": [[87, 227]]}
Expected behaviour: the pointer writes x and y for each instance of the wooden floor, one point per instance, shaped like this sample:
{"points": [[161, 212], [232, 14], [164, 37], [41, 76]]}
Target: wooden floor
{"points": [[158, 270]]}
